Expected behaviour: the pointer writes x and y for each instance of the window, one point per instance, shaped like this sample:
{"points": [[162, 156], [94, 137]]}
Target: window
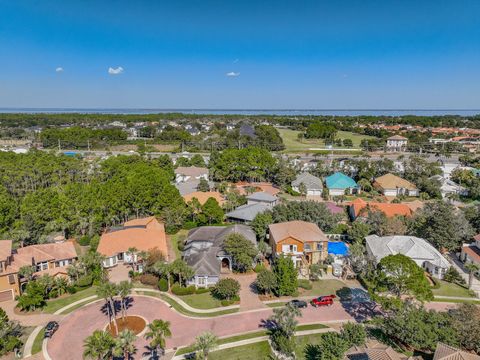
{"points": [[11, 279], [201, 281], [42, 266], [289, 248], [308, 247], [319, 246]]}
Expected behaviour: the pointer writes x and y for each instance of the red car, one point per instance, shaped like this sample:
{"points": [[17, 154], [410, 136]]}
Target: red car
{"points": [[323, 301]]}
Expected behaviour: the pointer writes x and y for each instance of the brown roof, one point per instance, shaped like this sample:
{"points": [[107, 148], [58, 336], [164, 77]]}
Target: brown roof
{"points": [[397, 137], [191, 170], [414, 205], [300, 230], [373, 350], [390, 181], [202, 197], [143, 234], [360, 207], [59, 270], [5, 249], [447, 352], [473, 252], [260, 186]]}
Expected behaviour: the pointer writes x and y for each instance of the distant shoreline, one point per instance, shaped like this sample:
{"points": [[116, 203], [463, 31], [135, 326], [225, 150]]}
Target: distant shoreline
{"points": [[279, 112]]}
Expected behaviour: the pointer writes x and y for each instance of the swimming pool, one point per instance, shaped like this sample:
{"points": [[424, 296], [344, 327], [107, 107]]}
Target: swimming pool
{"points": [[337, 248]]}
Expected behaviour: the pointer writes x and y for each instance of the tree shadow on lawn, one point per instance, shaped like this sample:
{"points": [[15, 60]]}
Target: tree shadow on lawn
{"points": [[357, 303]]}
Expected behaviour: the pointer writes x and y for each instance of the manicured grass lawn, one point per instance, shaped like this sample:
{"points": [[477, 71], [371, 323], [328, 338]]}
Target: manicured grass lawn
{"points": [[37, 343], [311, 327], [257, 351], [55, 304], [449, 289], [201, 301], [292, 143], [323, 287], [302, 341], [175, 238], [276, 304]]}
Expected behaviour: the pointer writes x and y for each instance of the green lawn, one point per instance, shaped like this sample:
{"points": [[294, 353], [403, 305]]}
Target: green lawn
{"points": [[449, 289], [323, 287], [292, 143], [302, 341], [37, 343], [175, 238], [257, 351], [55, 304], [277, 304], [201, 301]]}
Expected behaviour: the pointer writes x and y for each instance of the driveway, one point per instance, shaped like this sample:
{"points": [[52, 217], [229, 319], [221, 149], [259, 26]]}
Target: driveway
{"points": [[119, 273], [248, 296]]}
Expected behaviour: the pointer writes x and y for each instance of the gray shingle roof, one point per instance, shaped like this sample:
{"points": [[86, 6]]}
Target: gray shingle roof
{"points": [[247, 212], [262, 196], [310, 181]]}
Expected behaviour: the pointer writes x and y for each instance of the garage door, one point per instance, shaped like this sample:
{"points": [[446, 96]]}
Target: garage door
{"points": [[6, 295]]}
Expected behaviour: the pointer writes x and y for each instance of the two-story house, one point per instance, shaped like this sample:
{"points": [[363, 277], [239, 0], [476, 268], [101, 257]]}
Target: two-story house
{"points": [[304, 242], [397, 143]]}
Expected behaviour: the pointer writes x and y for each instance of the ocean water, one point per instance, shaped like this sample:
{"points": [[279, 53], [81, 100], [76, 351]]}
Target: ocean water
{"points": [[284, 112]]}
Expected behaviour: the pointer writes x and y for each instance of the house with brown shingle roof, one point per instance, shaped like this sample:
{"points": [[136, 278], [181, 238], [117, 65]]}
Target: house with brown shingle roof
{"points": [[142, 234], [360, 208], [447, 352], [373, 350], [392, 185], [303, 241], [52, 259]]}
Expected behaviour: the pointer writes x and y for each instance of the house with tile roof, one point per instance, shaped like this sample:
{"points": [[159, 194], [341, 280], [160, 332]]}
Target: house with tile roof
{"points": [[303, 241], [392, 185], [341, 184], [447, 352], [417, 249], [144, 234], [51, 258], [397, 143], [360, 208], [204, 252], [373, 350], [313, 184], [202, 197], [470, 253]]}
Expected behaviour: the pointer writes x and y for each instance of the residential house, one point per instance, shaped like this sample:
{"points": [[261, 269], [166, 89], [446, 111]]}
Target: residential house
{"points": [[142, 234], [470, 253], [373, 350], [202, 197], [246, 213], [417, 249], [313, 185], [447, 352], [448, 187], [184, 174], [190, 186], [341, 184], [304, 242], [392, 185], [52, 259], [397, 143], [360, 208], [262, 198], [205, 254]]}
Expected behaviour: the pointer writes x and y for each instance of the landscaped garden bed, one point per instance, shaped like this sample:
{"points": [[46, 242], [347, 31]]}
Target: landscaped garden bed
{"points": [[134, 323]]}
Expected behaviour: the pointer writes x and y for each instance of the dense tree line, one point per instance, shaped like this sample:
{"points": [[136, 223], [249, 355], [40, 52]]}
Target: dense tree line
{"points": [[80, 137]]}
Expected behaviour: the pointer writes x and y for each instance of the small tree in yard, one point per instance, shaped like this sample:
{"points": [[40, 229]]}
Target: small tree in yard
{"points": [[181, 269], [226, 289], [266, 282], [212, 211], [302, 189], [452, 275], [472, 269], [203, 185], [242, 250], [332, 346], [286, 275], [158, 330], [27, 272], [354, 333], [204, 343], [282, 333]]}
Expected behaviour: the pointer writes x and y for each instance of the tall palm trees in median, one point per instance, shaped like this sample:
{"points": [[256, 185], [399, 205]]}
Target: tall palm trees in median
{"points": [[108, 291], [125, 344], [158, 331], [98, 346], [124, 289]]}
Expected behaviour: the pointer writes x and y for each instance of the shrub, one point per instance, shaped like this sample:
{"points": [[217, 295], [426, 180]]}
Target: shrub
{"points": [[304, 284], [203, 290], [148, 279], [180, 290], [71, 289], [226, 302], [259, 267], [266, 281], [85, 281], [226, 289], [163, 284], [84, 240], [452, 275], [189, 225]]}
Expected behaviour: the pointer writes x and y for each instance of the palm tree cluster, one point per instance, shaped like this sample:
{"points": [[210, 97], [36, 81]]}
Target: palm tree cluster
{"points": [[109, 292], [101, 345]]}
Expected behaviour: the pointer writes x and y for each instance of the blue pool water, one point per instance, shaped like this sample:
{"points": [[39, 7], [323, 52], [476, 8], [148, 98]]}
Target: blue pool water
{"points": [[337, 248]]}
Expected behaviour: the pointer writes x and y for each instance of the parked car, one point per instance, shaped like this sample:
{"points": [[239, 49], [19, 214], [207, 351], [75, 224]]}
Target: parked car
{"points": [[50, 329], [298, 303], [323, 301]]}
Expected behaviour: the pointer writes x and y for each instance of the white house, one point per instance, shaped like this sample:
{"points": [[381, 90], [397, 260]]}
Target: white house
{"points": [[417, 249], [184, 174], [448, 187], [397, 143], [313, 184], [392, 185]]}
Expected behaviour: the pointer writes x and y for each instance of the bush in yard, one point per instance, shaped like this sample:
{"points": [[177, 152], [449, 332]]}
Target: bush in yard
{"points": [[304, 284], [266, 282], [148, 279], [181, 290], [258, 268], [286, 275], [85, 281], [453, 276], [354, 333], [203, 290], [163, 284], [226, 289]]}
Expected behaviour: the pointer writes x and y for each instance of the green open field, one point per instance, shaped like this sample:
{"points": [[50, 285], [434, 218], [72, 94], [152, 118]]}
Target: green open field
{"points": [[292, 143], [201, 301]]}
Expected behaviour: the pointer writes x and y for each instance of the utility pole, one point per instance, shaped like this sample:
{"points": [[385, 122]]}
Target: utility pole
{"points": [[59, 146]]}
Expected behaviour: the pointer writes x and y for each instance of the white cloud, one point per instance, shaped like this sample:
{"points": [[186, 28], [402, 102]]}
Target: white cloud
{"points": [[232, 74], [59, 69], [117, 71]]}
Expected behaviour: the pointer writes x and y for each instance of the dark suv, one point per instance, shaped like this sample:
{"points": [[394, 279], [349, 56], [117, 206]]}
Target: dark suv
{"points": [[298, 303], [50, 329]]}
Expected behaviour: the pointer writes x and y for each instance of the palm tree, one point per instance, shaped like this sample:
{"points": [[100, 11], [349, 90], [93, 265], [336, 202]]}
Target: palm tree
{"points": [[98, 345], [158, 331], [204, 343], [472, 269], [108, 291], [132, 251], [60, 284], [74, 271], [125, 344], [162, 268], [124, 290], [27, 272]]}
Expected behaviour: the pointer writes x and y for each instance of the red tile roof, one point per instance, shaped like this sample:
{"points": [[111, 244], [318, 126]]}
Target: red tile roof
{"points": [[473, 252], [300, 230], [360, 207]]}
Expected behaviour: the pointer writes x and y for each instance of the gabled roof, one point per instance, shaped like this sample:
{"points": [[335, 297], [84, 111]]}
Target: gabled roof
{"points": [[411, 246], [301, 230], [390, 181], [202, 197], [360, 207], [247, 212], [472, 251], [143, 234], [397, 137], [373, 350], [447, 352], [311, 182], [262, 196], [340, 181], [191, 170]]}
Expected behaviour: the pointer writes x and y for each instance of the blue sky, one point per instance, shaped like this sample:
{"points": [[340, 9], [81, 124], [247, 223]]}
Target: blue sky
{"points": [[362, 54]]}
